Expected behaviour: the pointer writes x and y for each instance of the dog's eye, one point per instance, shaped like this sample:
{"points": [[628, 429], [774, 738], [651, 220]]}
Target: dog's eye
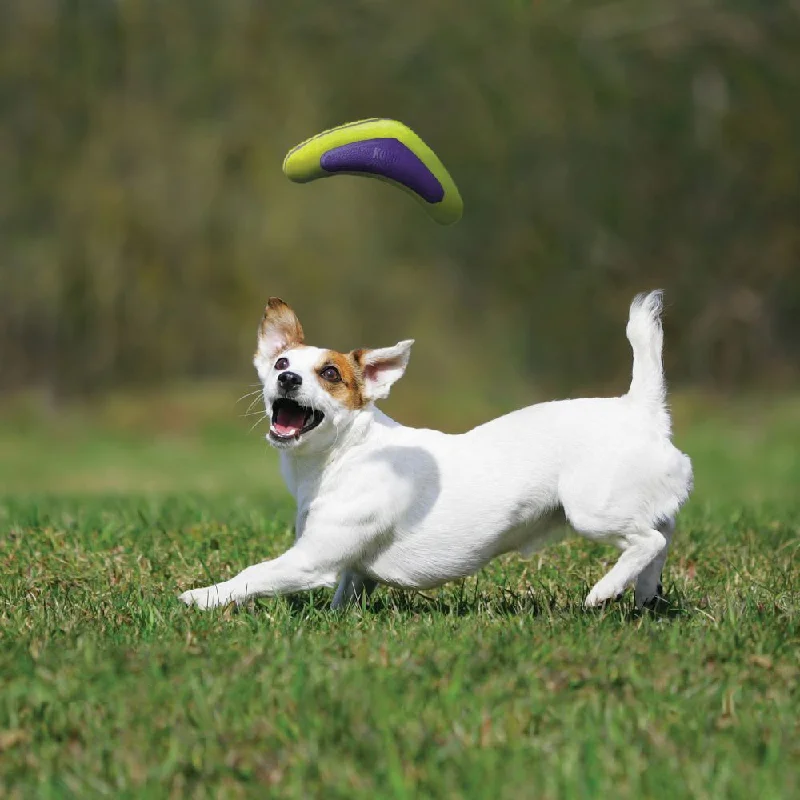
{"points": [[282, 363], [331, 374]]}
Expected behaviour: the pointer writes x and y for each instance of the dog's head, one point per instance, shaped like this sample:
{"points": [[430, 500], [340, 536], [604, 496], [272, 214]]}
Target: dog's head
{"points": [[312, 394]]}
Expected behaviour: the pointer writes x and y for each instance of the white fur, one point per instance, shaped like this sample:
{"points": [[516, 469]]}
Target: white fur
{"points": [[415, 508]]}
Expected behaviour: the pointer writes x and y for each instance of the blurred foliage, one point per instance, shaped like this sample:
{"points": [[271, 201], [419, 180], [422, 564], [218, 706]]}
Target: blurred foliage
{"points": [[601, 148]]}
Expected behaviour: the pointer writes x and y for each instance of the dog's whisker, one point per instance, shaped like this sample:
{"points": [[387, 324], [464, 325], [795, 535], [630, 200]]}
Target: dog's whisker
{"points": [[254, 402], [249, 394], [252, 414], [258, 422]]}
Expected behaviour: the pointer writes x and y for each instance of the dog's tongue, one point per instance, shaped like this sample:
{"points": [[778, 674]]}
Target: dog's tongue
{"points": [[289, 420]]}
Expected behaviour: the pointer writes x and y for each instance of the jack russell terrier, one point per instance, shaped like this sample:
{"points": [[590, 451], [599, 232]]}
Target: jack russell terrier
{"points": [[378, 502]]}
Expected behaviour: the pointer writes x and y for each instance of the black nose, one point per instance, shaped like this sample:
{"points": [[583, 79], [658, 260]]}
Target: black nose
{"points": [[289, 380]]}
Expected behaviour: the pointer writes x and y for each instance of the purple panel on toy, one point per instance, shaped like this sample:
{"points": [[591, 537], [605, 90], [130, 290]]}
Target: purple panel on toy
{"points": [[389, 158]]}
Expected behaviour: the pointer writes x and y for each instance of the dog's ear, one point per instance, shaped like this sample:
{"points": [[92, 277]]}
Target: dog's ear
{"points": [[279, 330], [382, 368]]}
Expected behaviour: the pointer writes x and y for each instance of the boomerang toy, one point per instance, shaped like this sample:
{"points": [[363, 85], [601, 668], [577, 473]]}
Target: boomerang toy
{"points": [[384, 149]]}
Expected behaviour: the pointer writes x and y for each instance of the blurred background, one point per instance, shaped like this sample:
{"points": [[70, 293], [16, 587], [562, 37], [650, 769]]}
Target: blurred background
{"points": [[601, 148]]}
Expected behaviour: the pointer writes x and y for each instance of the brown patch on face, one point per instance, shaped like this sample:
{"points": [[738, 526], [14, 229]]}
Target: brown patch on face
{"points": [[279, 330], [349, 390]]}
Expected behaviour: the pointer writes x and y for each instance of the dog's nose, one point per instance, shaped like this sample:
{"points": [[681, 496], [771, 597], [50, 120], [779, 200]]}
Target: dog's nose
{"points": [[289, 380]]}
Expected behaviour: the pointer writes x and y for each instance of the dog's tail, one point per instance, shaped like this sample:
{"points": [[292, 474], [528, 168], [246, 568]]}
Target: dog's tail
{"points": [[644, 332]]}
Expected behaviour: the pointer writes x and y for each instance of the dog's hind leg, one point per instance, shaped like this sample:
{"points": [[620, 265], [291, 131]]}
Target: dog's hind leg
{"points": [[641, 548], [648, 584], [353, 586]]}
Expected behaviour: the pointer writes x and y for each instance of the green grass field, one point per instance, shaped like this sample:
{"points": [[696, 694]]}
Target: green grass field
{"points": [[500, 686]]}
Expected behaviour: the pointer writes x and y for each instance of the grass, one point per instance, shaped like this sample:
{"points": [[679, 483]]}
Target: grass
{"points": [[499, 686]]}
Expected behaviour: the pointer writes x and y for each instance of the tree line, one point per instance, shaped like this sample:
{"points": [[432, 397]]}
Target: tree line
{"points": [[601, 148]]}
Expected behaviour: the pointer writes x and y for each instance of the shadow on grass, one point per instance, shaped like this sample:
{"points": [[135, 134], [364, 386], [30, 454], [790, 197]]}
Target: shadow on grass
{"points": [[668, 606], [409, 603], [498, 602]]}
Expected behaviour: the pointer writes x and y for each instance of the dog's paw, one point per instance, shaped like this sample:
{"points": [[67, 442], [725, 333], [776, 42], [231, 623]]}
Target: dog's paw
{"points": [[207, 597], [600, 596]]}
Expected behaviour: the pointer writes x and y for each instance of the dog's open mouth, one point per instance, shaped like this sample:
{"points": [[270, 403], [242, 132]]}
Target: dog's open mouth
{"points": [[290, 419]]}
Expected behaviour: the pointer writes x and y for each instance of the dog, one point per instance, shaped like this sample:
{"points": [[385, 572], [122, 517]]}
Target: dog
{"points": [[382, 503]]}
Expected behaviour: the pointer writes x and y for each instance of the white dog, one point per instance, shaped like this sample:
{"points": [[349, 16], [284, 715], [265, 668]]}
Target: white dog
{"points": [[378, 502]]}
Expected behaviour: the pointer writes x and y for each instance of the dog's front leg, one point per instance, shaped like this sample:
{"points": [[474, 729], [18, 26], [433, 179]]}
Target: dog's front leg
{"points": [[295, 571]]}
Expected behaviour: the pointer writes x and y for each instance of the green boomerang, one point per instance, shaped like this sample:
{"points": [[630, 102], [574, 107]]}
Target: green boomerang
{"points": [[384, 149]]}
